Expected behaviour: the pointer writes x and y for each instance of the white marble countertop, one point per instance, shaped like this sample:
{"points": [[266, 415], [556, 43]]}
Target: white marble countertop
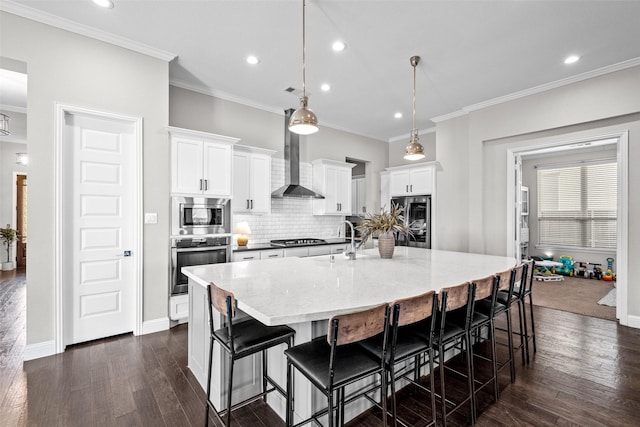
{"points": [[292, 290]]}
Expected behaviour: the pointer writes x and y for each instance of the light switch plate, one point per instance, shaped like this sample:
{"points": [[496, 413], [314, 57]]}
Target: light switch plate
{"points": [[150, 218]]}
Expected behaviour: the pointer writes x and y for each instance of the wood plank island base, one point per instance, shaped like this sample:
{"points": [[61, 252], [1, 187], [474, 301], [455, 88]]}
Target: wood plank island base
{"points": [[304, 293]]}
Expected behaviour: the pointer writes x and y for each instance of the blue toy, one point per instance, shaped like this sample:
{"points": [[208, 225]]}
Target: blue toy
{"points": [[567, 266]]}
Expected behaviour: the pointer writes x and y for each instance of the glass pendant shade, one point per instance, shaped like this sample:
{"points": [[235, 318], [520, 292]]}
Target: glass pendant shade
{"points": [[303, 121], [414, 150]]}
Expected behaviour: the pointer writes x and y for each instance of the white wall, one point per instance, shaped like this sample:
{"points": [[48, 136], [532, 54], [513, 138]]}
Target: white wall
{"points": [[263, 129], [589, 108], [68, 68]]}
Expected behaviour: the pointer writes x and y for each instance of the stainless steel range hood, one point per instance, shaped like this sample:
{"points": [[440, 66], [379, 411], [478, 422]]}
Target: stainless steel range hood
{"points": [[292, 187]]}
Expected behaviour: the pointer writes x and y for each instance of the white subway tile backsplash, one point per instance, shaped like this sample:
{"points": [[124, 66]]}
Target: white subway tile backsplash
{"points": [[290, 218]]}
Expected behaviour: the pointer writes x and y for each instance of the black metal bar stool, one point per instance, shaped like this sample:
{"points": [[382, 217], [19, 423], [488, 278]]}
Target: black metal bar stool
{"points": [[523, 289], [486, 292], [239, 340], [410, 339], [334, 361], [452, 331]]}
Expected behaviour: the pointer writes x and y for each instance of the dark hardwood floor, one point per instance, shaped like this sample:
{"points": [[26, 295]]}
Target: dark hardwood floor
{"points": [[586, 373]]}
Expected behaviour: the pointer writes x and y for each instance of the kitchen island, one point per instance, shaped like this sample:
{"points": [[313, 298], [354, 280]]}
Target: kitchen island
{"points": [[304, 293]]}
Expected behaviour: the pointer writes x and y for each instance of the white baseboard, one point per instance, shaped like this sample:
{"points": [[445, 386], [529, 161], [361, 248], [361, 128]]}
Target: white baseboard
{"points": [[156, 325], [633, 321], [39, 349]]}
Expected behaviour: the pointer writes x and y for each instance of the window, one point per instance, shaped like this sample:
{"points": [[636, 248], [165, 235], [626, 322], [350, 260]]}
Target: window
{"points": [[577, 205]]}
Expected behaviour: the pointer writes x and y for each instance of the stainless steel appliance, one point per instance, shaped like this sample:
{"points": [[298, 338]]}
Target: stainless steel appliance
{"points": [[288, 243], [417, 216], [188, 251], [198, 216]]}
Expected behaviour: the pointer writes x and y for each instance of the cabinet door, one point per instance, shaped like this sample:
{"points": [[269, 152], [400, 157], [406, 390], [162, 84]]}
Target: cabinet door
{"points": [[421, 181], [359, 207], [331, 197], [343, 191], [399, 182], [217, 169], [241, 193], [260, 184], [186, 174]]}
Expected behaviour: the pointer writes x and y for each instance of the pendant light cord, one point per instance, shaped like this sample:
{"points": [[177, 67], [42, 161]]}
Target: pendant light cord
{"points": [[413, 131], [304, 49]]}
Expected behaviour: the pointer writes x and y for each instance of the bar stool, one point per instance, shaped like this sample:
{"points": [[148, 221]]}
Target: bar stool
{"points": [[507, 280], [486, 292], [452, 331], [523, 289], [239, 340], [411, 338], [334, 361]]}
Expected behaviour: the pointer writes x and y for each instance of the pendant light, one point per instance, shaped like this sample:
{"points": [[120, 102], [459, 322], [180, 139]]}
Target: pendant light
{"points": [[303, 121], [414, 150]]}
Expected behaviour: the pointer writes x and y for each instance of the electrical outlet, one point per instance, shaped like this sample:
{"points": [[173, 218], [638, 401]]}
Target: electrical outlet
{"points": [[150, 218]]}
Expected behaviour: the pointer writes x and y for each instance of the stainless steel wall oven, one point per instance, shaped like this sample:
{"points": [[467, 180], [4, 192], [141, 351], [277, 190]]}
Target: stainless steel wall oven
{"points": [[189, 251]]}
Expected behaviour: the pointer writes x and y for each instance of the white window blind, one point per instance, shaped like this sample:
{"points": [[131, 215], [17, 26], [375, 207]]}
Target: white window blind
{"points": [[577, 205]]}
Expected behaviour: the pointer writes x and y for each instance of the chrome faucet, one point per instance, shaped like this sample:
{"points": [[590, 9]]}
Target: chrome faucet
{"points": [[351, 253]]}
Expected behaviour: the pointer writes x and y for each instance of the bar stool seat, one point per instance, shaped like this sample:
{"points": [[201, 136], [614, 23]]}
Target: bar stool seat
{"points": [[238, 340], [334, 361]]}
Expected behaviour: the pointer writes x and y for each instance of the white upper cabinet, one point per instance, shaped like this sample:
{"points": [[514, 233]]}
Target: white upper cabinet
{"points": [[251, 179], [358, 196], [411, 180], [332, 179], [201, 163]]}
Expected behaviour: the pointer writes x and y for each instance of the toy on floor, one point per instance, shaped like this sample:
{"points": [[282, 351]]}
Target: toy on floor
{"points": [[567, 265], [608, 275]]}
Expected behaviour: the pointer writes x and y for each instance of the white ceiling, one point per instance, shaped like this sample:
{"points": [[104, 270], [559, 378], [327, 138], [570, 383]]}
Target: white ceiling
{"points": [[472, 51]]}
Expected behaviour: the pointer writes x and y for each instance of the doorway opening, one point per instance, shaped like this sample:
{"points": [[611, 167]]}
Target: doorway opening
{"points": [[617, 146], [21, 220]]}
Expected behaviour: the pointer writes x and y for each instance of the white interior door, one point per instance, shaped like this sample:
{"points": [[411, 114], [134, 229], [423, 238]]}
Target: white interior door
{"points": [[100, 290]]}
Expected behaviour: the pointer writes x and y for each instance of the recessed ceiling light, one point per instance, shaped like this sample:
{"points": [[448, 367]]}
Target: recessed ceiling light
{"points": [[325, 87], [252, 60], [571, 59], [338, 46], [398, 115], [107, 4]]}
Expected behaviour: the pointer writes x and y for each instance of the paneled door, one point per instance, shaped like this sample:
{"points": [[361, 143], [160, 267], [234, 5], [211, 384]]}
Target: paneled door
{"points": [[99, 227]]}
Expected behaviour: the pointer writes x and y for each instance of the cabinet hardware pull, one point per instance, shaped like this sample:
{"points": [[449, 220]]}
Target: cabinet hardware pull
{"points": [[206, 184], [251, 203], [200, 185], [247, 203]]}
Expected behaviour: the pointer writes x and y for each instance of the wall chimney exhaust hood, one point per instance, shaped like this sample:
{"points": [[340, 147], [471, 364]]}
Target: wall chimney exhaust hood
{"points": [[292, 187]]}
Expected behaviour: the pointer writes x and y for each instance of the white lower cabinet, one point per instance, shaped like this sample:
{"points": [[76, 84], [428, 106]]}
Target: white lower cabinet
{"points": [[179, 307], [301, 251], [255, 255]]}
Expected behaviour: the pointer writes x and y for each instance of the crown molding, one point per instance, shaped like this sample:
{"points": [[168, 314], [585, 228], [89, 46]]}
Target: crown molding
{"points": [[542, 88], [84, 30], [13, 108]]}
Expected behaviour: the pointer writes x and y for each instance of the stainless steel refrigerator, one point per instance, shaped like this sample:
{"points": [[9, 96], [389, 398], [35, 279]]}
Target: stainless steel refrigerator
{"points": [[417, 216]]}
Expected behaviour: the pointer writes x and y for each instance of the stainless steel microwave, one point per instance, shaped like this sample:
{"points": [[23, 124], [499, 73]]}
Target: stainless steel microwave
{"points": [[198, 215]]}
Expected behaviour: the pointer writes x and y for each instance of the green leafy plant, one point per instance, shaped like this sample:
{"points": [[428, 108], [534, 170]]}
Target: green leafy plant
{"points": [[385, 222], [8, 236]]}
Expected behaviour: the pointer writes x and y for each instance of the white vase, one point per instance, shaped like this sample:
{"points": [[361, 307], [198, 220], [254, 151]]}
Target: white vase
{"points": [[8, 266]]}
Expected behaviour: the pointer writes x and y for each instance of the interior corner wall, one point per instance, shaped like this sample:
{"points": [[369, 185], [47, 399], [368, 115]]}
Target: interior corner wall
{"points": [[601, 104], [67, 68], [452, 216], [206, 113]]}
